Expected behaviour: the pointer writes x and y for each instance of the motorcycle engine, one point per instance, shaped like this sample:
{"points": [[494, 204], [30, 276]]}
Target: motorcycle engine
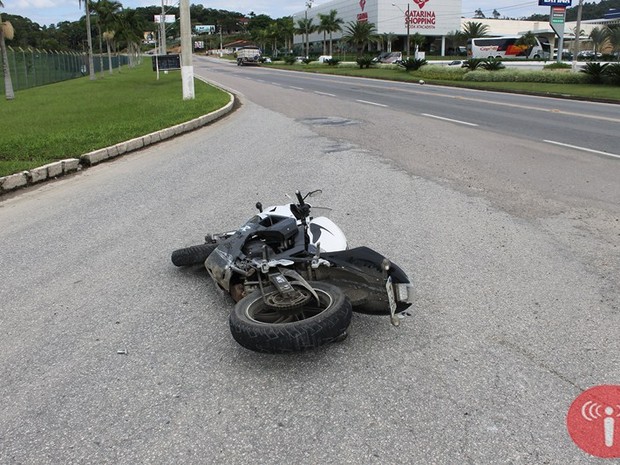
{"points": [[254, 249]]}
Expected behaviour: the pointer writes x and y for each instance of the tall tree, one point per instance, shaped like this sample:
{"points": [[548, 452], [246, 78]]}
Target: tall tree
{"points": [[614, 40], [6, 30], [359, 34], [131, 28], [472, 29], [305, 27], [329, 24], [89, 39], [529, 40], [107, 22], [599, 37]]}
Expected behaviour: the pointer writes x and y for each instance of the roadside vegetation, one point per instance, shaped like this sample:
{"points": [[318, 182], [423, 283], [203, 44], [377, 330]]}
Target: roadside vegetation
{"points": [[594, 81], [70, 118]]}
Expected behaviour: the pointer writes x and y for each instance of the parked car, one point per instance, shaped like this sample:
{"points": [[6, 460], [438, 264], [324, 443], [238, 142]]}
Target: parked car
{"points": [[461, 63], [388, 57], [589, 55]]}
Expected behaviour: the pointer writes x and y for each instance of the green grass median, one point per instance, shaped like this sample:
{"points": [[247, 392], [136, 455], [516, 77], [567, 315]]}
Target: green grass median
{"points": [[453, 76], [70, 118]]}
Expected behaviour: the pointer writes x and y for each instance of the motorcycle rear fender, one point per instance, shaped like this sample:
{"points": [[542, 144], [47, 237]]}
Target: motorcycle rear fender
{"points": [[359, 273]]}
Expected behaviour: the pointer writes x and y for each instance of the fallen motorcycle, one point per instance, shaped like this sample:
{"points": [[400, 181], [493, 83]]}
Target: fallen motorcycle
{"points": [[294, 279]]}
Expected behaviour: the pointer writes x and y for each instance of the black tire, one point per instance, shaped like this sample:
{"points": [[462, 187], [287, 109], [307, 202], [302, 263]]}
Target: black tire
{"points": [[262, 329], [194, 255]]}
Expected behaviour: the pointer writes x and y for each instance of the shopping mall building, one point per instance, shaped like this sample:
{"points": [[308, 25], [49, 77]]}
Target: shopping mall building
{"points": [[434, 19], [431, 18]]}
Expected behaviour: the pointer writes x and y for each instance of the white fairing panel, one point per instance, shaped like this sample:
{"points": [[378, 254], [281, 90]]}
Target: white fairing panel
{"points": [[326, 232]]}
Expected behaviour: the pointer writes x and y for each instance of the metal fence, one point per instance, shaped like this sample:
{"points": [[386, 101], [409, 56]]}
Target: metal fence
{"points": [[33, 67]]}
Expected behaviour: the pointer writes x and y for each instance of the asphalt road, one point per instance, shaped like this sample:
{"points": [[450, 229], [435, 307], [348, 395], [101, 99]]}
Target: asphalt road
{"points": [[109, 354]]}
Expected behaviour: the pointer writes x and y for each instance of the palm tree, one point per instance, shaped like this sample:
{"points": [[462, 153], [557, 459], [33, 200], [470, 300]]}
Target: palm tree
{"points": [[131, 27], [614, 40], [6, 31], [417, 40], [304, 28], [329, 23], [472, 29], [389, 39], [287, 28], [359, 34], [107, 20], [599, 36], [529, 40], [454, 38], [89, 38]]}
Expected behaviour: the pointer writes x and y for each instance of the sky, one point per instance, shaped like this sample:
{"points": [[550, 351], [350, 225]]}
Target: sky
{"points": [[46, 12]]}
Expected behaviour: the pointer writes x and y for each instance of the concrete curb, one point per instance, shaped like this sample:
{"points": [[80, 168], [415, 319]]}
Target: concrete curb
{"points": [[69, 165]]}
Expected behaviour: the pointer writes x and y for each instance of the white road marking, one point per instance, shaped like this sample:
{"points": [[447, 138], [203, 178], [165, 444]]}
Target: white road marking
{"points": [[324, 93], [585, 149], [297, 88], [372, 103], [449, 119]]}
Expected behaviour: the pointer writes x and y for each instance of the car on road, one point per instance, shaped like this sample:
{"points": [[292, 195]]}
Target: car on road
{"points": [[460, 63]]}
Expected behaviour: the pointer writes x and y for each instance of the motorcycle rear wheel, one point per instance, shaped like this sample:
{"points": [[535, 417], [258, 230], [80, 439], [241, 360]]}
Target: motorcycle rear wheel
{"points": [[260, 328], [194, 255]]}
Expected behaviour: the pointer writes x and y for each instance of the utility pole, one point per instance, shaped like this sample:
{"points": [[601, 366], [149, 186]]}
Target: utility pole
{"points": [[308, 6], [187, 70], [162, 30], [408, 32], [577, 36]]}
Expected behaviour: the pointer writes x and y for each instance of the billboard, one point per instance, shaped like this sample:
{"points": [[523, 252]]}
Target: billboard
{"points": [[204, 29], [554, 2], [167, 19]]}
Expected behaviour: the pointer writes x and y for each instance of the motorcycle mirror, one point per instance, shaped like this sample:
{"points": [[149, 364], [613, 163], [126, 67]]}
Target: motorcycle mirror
{"points": [[315, 193], [260, 207]]}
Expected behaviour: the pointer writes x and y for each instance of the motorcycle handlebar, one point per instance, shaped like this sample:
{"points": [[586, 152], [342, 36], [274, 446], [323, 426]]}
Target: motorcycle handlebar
{"points": [[300, 198]]}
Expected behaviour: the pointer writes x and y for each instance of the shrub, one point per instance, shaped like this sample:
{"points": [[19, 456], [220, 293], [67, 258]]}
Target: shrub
{"points": [[595, 72], [306, 61], [557, 65], [492, 64], [613, 73], [450, 73], [412, 64], [290, 60], [364, 62], [525, 76], [332, 61], [472, 63]]}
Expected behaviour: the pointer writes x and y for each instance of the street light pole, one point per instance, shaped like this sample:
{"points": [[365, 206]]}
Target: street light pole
{"points": [[408, 32], [577, 36], [408, 23], [308, 6]]}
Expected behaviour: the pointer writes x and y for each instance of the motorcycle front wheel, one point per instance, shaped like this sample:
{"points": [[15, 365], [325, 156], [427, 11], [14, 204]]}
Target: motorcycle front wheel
{"points": [[194, 255], [262, 328]]}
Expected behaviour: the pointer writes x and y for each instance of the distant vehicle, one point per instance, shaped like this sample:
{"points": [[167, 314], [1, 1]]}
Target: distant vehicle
{"points": [[566, 54], [248, 56], [388, 57], [507, 47], [324, 58], [460, 63], [589, 55]]}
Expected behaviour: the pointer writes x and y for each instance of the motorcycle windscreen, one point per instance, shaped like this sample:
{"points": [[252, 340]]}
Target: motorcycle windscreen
{"points": [[326, 232]]}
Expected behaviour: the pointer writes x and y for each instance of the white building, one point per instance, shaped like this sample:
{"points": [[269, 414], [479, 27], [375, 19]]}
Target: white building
{"points": [[431, 18]]}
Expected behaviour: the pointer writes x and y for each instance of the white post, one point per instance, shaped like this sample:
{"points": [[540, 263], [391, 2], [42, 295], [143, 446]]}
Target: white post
{"points": [[187, 70]]}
